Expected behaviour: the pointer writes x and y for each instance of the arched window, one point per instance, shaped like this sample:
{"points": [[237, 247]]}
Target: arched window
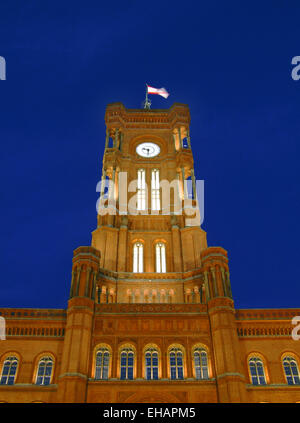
{"points": [[151, 364], [155, 194], [291, 370], [160, 250], [141, 189], [102, 364], [201, 363], [127, 363], [9, 371], [138, 259], [176, 363], [44, 372], [257, 372]]}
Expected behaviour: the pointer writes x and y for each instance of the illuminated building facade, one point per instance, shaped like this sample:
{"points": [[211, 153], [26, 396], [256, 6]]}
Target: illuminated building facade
{"points": [[150, 316]]}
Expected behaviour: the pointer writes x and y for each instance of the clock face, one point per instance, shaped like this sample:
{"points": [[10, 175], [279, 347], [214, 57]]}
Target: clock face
{"points": [[148, 149]]}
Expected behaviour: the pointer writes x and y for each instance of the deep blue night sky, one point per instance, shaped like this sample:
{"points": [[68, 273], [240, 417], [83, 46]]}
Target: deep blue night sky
{"points": [[229, 61]]}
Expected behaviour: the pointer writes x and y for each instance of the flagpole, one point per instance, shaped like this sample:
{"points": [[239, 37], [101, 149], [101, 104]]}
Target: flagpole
{"points": [[147, 102]]}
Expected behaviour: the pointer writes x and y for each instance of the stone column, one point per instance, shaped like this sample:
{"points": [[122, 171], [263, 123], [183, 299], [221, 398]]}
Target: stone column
{"points": [[140, 361], [122, 246], [72, 283], [189, 362], [103, 178], [107, 139], [194, 184], [87, 285], [179, 137], [174, 140], [215, 287], [176, 244], [188, 137], [197, 295], [114, 364], [116, 182], [228, 285], [183, 183], [206, 285], [78, 269], [103, 295], [116, 139]]}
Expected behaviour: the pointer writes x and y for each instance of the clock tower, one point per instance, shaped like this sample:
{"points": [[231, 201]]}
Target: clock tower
{"points": [[152, 302], [148, 228]]}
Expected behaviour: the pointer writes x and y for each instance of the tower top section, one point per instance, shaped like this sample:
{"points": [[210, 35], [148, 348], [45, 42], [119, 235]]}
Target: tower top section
{"points": [[117, 115]]}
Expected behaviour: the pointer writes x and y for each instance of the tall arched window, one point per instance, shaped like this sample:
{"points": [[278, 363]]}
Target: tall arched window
{"points": [[160, 251], [138, 259], [155, 194], [151, 364], [127, 364], [9, 371], [201, 363], [44, 371], [102, 364], [257, 372], [141, 189], [176, 363], [291, 370]]}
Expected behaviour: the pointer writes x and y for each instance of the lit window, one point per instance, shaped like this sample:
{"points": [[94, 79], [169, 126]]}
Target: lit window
{"points": [[102, 364], [176, 363], [201, 363], [151, 364], [160, 257], [44, 372], [155, 194], [257, 372], [138, 265], [291, 371], [127, 362], [9, 370], [141, 190]]}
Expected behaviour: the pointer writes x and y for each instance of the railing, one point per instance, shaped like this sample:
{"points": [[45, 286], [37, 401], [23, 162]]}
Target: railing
{"points": [[40, 332], [267, 314], [265, 331]]}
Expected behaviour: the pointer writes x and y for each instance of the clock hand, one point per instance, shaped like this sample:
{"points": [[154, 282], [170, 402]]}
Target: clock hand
{"points": [[147, 150]]}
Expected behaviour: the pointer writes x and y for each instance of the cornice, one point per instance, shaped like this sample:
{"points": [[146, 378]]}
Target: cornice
{"points": [[117, 114], [266, 314], [151, 309], [33, 313]]}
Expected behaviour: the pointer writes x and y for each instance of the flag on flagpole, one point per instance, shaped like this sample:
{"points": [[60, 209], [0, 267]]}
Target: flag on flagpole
{"points": [[160, 91]]}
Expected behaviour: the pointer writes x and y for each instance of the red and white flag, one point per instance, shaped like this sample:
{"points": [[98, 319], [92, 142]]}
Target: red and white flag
{"points": [[160, 91]]}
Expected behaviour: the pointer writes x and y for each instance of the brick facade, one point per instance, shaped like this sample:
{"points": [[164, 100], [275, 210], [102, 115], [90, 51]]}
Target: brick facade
{"points": [[188, 308]]}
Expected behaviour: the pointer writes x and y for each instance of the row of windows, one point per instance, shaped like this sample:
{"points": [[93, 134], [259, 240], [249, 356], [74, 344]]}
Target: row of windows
{"points": [[160, 257], [151, 357], [43, 374], [258, 374], [127, 362], [256, 366]]}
